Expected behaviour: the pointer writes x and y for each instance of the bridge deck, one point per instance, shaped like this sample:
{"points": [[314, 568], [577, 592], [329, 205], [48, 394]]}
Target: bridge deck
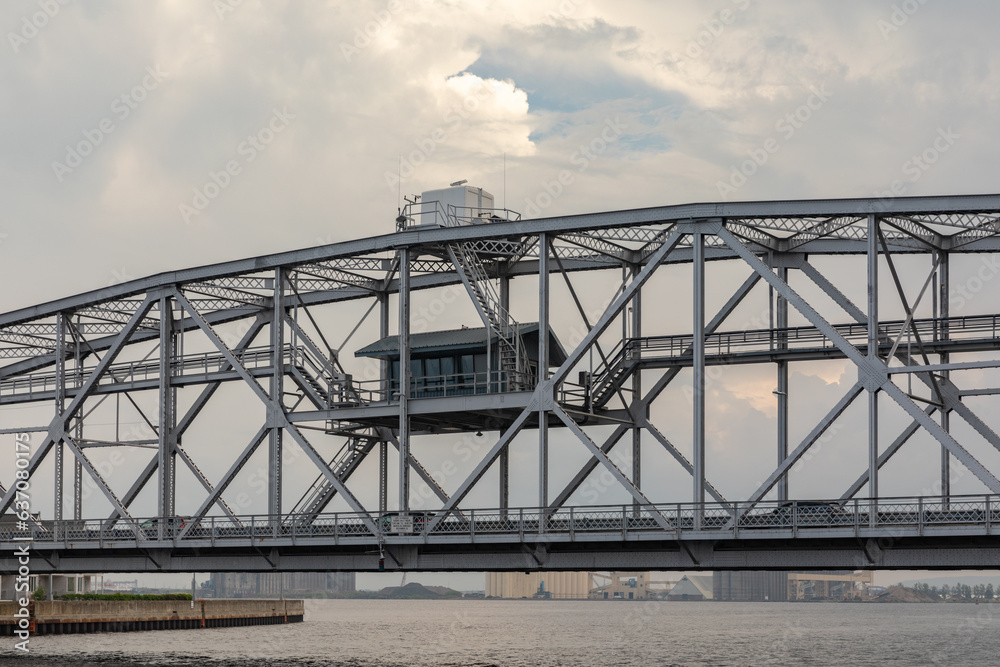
{"points": [[811, 534]]}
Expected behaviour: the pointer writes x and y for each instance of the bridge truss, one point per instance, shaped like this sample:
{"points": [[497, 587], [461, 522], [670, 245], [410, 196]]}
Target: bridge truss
{"points": [[131, 340]]}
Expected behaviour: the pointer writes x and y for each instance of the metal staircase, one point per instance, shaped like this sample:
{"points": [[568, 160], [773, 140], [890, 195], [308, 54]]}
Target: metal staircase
{"points": [[322, 379], [609, 377], [319, 495], [512, 359], [315, 391]]}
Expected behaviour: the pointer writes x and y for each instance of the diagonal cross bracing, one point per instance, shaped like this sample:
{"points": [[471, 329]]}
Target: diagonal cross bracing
{"points": [[720, 317], [583, 243], [609, 464], [616, 306], [57, 429], [869, 366]]}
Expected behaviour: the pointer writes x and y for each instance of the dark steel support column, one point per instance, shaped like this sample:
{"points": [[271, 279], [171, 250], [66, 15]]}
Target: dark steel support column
{"points": [[636, 405], [383, 332], [383, 477], [543, 368], [944, 285], [873, 225], [698, 381], [277, 390], [167, 461], [503, 463], [404, 379], [384, 367], [781, 313], [78, 431], [60, 406]]}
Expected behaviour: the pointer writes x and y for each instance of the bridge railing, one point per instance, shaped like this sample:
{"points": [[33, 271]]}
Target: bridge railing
{"points": [[433, 212], [125, 372], [973, 327], [670, 521], [452, 384]]}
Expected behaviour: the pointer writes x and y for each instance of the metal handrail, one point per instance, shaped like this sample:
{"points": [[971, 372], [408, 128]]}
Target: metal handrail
{"points": [[919, 513], [435, 213], [726, 342], [451, 384]]}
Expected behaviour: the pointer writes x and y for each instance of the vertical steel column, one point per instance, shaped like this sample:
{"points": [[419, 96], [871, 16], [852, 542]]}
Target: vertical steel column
{"points": [[504, 477], [543, 368], [383, 332], [60, 406], [504, 461], [383, 477], [944, 285], [166, 470], [698, 367], [404, 379], [277, 396], [383, 446], [636, 402], [781, 312], [78, 474], [505, 292], [78, 434], [873, 227]]}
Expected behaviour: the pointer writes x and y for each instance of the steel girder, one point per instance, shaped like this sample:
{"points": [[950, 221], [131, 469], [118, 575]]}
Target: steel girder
{"points": [[766, 236]]}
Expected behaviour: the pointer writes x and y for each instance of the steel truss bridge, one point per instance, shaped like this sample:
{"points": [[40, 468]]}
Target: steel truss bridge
{"points": [[128, 343]]}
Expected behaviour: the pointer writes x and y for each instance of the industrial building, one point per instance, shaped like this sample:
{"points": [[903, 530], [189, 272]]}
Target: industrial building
{"points": [[768, 586], [748, 586], [628, 586], [693, 587], [830, 585], [554, 585], [274, 584]]}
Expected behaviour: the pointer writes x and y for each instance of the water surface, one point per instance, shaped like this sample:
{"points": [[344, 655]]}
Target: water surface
{"points": [[522, 633]]}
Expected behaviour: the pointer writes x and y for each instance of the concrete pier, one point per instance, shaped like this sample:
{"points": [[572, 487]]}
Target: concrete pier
{"points": [[77, 616]]}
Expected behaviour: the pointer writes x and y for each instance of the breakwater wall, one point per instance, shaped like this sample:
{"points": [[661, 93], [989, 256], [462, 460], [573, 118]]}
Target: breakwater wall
{"points": [[74, 616]]}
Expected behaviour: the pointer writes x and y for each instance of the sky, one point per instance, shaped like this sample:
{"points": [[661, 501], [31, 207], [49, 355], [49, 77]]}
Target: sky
{"points": [[143, 137]]}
